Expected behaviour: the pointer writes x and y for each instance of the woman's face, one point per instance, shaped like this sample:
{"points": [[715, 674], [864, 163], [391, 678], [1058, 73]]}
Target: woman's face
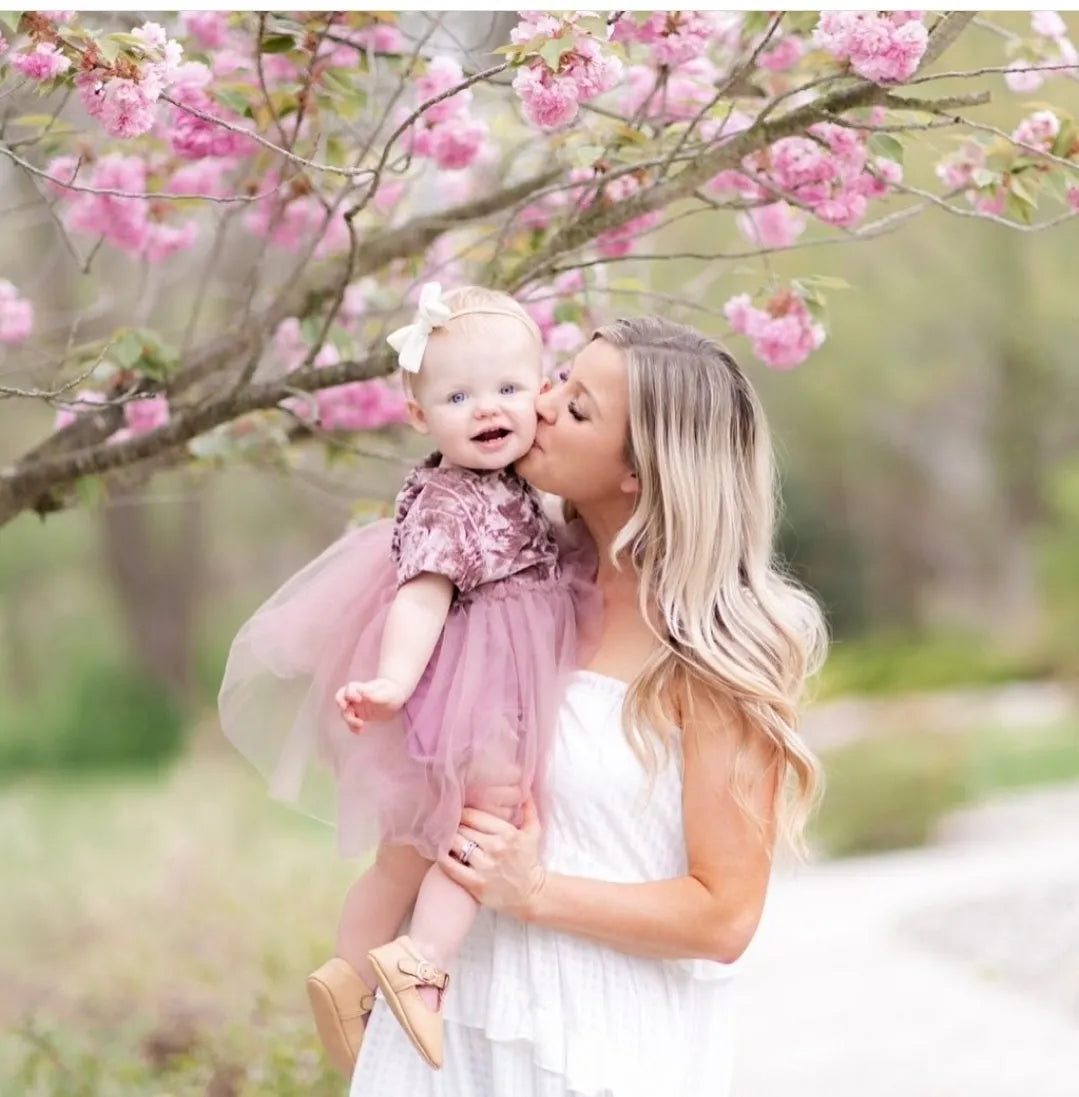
{"points": [[579, 451]]}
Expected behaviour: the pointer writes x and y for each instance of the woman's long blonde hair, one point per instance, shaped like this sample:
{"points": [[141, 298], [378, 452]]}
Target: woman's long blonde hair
{"points": [[733, 629]]}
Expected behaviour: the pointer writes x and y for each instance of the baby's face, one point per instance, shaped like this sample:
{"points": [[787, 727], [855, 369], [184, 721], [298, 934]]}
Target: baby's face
{"points": [[476, 395]]}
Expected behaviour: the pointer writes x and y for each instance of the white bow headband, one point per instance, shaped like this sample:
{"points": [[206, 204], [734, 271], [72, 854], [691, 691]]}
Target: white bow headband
{"points": [[432, 312]]}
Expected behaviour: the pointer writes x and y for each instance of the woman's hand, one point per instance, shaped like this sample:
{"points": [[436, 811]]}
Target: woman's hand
{"points": [[503, 870]]}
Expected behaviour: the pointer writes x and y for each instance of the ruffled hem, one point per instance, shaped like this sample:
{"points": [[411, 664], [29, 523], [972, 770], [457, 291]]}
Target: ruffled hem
{"points": [[608, 1024]]}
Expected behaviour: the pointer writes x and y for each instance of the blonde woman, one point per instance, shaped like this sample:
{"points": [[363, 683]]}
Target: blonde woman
{"points": [[602, 963]]}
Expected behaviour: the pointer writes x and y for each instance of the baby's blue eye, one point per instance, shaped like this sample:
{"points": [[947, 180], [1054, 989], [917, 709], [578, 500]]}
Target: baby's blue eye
{"points": [[507, 390], [457, 398]]}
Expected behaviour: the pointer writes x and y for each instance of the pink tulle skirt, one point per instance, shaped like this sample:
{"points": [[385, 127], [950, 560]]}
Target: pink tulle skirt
{"points": [[483, 712]]}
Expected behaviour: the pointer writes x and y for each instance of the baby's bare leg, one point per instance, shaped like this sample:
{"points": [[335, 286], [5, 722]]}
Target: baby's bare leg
{"points": [[376, 905], [444, 910]]}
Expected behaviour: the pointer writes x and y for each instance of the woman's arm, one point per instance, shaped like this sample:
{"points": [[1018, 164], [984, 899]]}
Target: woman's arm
{"points": [[712, 912]]}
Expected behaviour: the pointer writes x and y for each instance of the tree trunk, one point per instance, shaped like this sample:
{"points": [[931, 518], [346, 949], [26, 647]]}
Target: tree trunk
{"points": [[158, 582]]}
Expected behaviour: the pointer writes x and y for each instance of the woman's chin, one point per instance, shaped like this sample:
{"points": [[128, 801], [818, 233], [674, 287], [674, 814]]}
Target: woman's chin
{"points": [[528, 462]]}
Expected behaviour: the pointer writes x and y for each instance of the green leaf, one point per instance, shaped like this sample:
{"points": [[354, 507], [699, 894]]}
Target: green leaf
{"points": [[127, 350], [554, 49], [565, 312], [595, 25], [336, 80], [586, 155], [755, 22], [342, 340], [886, 145], [982, 177], [1001, 161], [108, 49], [234, 100], [1065, 139], [825, 281], [1017, 208], [817, 310], [277, 43], [1022, 192], [10, 19]]}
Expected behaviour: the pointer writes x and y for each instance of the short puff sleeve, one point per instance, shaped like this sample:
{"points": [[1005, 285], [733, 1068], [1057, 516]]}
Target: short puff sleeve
{"points": [[438, 535]]}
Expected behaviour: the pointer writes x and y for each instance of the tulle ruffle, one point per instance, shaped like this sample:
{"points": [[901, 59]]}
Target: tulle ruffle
{"points": [[485, 707]]}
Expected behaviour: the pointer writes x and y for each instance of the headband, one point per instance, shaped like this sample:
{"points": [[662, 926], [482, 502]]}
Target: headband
{"points": [[432, 312]]}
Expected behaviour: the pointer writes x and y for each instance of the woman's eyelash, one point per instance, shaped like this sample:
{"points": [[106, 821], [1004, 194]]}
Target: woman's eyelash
{"points": [[571, 407]]}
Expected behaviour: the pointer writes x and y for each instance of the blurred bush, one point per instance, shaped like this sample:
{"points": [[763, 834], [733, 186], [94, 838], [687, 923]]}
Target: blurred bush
{"points": [[886, 663], [1060, 569], [889, 793], [101, 716]]}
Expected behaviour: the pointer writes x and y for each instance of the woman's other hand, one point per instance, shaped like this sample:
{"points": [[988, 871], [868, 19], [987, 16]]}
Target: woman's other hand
{"points": [[503, 869]]}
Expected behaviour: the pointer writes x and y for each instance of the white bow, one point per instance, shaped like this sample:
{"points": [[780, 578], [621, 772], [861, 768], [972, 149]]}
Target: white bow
{"points": [[411, 341]]}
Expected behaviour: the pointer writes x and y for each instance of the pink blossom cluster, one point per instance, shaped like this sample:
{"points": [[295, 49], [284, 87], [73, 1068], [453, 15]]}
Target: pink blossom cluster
{"points": [[43, 62], [134, 225], [209, 29], [358, 405], [140, 416], [776, 225], [829, 171], [675, 37], [783, 333], [126, 104], [1071, 195], [1051, 47], [16, 314], [542, 301], [783, 54], [378, 37], [193, 137], [885, 47], [447, 132], [294, 217], [1038, 130], [617, 242], [551, 97], [686, 90], [67, 415], [967, 168]]}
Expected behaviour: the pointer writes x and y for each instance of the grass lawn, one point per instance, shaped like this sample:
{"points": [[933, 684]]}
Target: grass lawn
{"points": [[158, 930], [164, 927]]}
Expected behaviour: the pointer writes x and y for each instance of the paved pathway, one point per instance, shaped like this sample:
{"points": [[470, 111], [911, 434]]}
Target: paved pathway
{"points": [[843, 994]]}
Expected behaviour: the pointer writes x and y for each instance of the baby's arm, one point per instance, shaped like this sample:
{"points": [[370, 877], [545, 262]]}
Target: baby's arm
{"points": [[413, 626]]}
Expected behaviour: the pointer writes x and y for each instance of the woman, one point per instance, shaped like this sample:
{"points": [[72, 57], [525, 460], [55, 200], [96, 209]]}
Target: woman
{"points": [[601, 966]]}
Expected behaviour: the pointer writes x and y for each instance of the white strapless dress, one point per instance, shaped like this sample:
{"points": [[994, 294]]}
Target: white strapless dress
{"points": [[536, 1013]]}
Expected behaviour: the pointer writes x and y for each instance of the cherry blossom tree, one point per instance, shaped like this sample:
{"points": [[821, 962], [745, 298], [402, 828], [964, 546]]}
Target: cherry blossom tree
{"points": [[351, 156]]}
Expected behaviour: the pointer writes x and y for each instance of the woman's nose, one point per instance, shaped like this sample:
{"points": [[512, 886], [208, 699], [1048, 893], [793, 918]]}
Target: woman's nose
{"points": [[546, 403]]}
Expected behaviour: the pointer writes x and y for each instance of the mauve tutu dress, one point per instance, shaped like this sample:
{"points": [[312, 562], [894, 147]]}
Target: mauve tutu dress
{"points": [[489, 697]]}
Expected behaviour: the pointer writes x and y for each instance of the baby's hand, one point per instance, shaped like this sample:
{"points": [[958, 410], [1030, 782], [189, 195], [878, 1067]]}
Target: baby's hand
{"points": [[368, 702]]}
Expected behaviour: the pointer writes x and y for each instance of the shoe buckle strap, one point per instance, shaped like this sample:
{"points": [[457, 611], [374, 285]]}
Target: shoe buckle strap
{"points": [[425, 972]]}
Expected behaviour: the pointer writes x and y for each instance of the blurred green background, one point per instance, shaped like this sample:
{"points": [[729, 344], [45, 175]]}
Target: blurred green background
{"points": [[159, 912]]}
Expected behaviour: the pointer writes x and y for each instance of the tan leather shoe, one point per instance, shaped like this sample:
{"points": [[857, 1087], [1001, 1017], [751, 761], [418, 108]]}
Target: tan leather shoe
{"points": [[400, 969], [341, 1002]]}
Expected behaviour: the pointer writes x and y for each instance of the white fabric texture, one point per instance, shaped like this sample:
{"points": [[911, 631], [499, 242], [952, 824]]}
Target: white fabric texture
{"points": [[531, 1012]]}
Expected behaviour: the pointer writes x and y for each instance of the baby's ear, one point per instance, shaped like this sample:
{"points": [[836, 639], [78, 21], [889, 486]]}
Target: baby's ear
{"points": [[417, 417]]}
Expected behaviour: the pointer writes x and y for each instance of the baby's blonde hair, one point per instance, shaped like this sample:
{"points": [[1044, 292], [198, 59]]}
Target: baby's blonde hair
{"points": [[469, 305]]}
